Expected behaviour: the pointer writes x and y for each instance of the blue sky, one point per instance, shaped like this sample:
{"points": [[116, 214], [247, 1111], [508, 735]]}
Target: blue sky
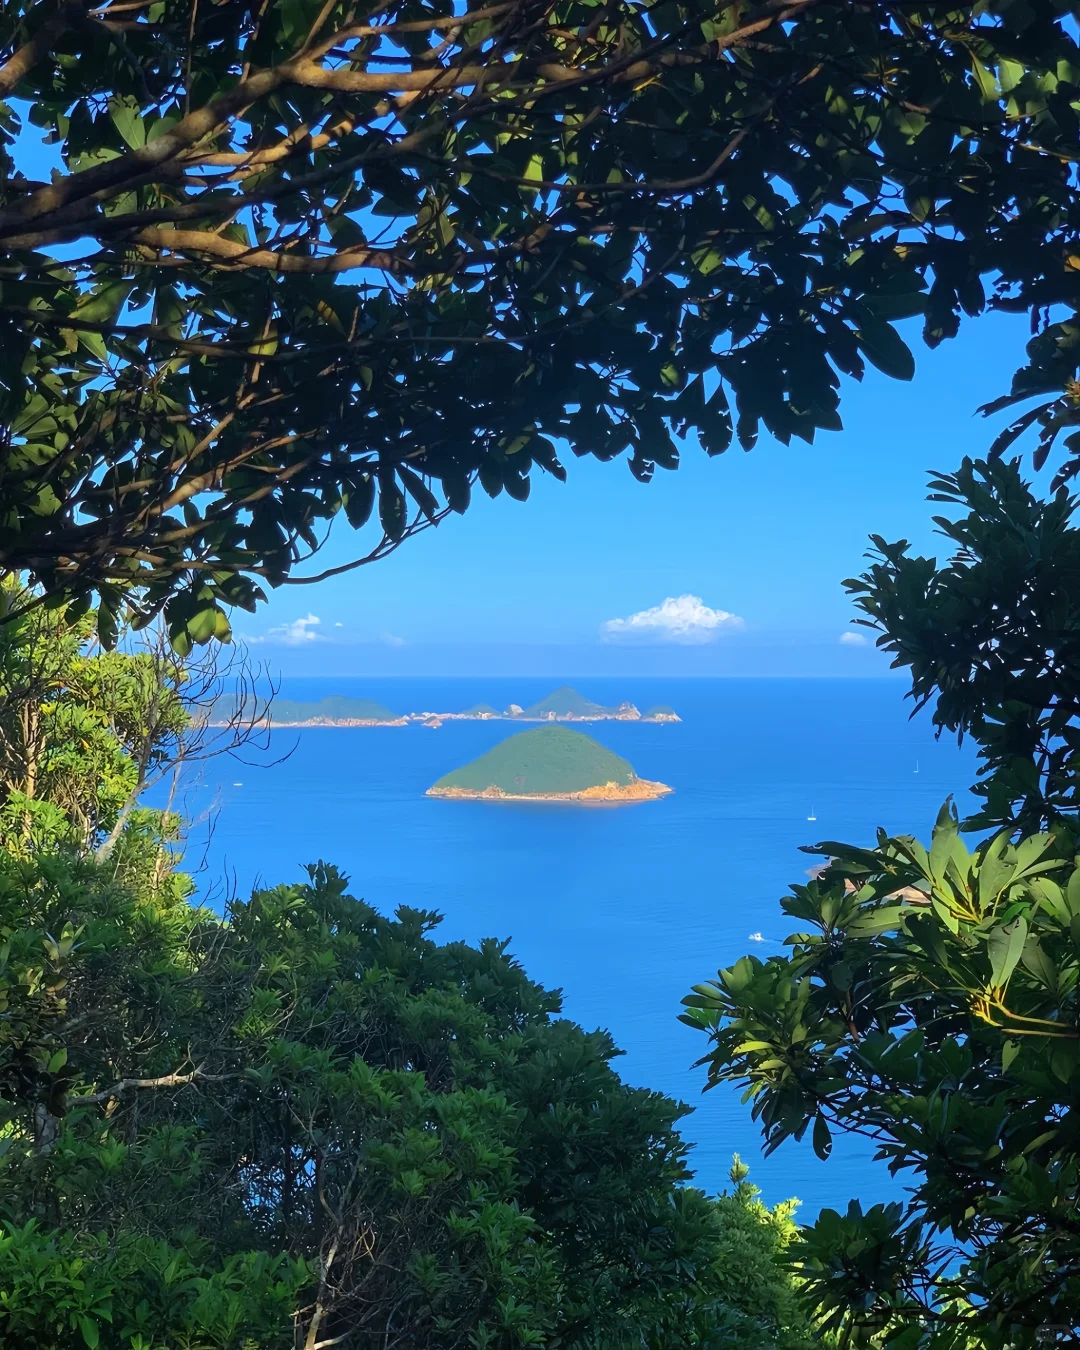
{"points": [[766, 537]]}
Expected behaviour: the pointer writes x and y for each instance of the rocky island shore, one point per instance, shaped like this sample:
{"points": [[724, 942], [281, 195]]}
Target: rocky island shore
{"points": [[642, 790], [548, 764], [564, 705]]}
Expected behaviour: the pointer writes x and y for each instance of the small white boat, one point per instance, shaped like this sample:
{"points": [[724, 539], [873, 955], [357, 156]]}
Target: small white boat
{"points": [[916, 766], [811, 816], [238, 785], [756, 937]]}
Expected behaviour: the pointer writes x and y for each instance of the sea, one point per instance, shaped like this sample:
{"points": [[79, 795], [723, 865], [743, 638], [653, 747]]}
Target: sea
{"points": [[622, 908]]}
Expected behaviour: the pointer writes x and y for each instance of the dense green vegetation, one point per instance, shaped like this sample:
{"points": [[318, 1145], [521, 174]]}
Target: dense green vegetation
{"points": [[334, 708], [608, 226], [302, 1123], [561, 702], [943, 1020], [84, 732], [544, 760], [245, 290]]}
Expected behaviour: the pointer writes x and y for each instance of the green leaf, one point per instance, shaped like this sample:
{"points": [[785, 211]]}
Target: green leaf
{"points": [[125, 113], [359, 501], [823, 1143], [883, 346], [202, 626], [874, 922], [840, 976], [392, 511], [1005, 947], [89, 1331], [105, 303], [1037, 961]]}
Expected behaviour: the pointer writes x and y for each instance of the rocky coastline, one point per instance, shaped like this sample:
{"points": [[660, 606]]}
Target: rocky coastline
{"points": [[564, 706], [640, 790], [273, 724], [435, 719]]}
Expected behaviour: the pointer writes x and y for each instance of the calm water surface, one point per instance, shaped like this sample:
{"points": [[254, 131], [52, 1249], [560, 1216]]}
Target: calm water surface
{"points": [[622, 908]]}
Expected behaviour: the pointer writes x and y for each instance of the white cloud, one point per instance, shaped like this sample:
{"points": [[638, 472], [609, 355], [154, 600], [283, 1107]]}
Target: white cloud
{"points": [[391, 640], [294, 634], [339, 625], [851, 639], [682, 619]]}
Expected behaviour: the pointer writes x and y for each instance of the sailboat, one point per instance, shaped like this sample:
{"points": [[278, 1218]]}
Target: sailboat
{"points": [[811, 816], [916, 766]]}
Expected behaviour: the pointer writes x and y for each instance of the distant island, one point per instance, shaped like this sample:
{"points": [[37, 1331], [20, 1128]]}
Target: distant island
{"points": [[549, 764], [564, 705], [335, 711], [567, 705]]}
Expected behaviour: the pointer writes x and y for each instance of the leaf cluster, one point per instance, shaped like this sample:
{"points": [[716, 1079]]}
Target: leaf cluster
{"points": [[929, 1003], [81, 728], [990, 636], [310, 1124], [298, 262]]}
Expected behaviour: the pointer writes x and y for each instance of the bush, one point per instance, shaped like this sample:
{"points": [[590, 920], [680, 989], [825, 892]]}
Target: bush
{"points": [[312, 1124]]}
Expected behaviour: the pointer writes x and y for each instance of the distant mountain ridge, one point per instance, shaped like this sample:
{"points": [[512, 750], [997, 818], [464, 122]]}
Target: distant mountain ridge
{"points": [[548, 764]]}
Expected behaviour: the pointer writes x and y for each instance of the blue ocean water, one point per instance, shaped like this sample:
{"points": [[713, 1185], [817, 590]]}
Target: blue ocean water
{"points": [[623, 908]]}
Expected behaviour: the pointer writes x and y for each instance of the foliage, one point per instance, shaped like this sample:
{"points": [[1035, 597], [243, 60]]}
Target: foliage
{"points": [[544, 760], [930, 1003], [993, 637], [81, 730], [294, 261], [305, 1124], [312, 1122], [754, 1263]]}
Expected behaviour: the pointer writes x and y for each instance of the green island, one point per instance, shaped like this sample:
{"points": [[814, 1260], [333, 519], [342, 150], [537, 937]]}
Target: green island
{"points": [[563, 702], [548, 764], [567, 705], [334, 711]]}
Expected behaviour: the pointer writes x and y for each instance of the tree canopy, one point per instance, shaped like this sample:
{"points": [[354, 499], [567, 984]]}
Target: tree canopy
{"points": [[990, 636], [317, 1126], [283, 263], [929, 1001], [302, 1124]]}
